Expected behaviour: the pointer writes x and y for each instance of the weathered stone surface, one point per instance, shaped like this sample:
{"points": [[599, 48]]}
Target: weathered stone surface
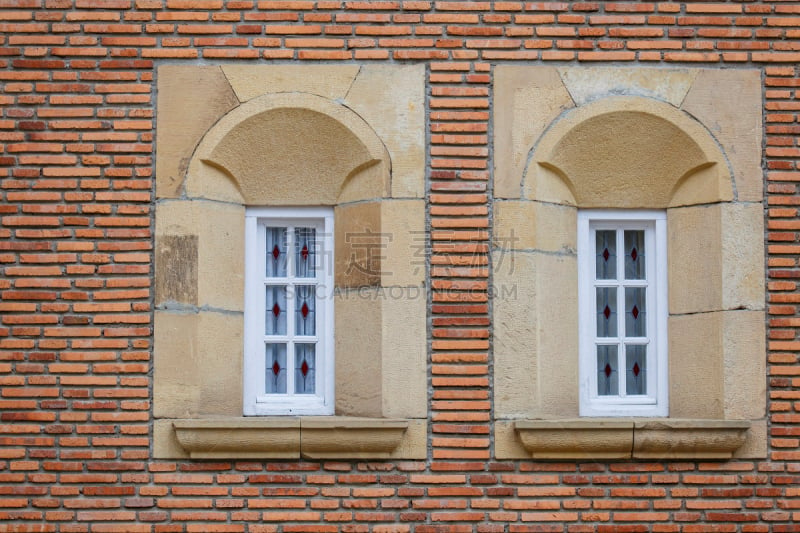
{"points": [[716, 258], [576, 439], [330, 81], [403, 223], [625, 152], [240, 438], [657, 440], [201, 93], [360, 243], [404, 333], [345, 437], [588, 84], [528, 225], [176, 269], [219, 232], [744, 364], [755, 443], [391, 98], [527, 100], [198, 364], [729, 103]]}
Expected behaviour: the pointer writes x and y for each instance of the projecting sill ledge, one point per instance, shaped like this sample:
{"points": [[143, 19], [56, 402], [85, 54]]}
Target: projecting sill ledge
{"points": [[661, 438], [311, 437]]}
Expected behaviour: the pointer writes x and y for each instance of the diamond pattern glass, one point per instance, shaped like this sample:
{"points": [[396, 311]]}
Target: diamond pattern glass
{"points": [[607, 379], [606, 254], [305, 310], [606, 311], [276, 252], [276, 310], [634, 254], [276, 368], [636, 369], [635, 312], [305, 256], [305, 368]]}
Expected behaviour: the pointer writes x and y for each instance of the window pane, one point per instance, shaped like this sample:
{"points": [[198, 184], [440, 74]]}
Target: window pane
{"points": [[276, 252], [607, 379], [276, 310], [305, 247], [304, 368], [276, 368], [606, 249], [305, 310], [635, 312], [606, 311], [634, 254], [636, 369]]}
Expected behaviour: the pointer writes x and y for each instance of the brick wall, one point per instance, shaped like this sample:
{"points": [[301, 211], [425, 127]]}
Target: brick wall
{"points": [[77, 156]]}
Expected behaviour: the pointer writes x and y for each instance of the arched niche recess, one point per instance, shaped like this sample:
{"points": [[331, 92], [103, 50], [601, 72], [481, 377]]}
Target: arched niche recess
{"points": [[628, 152], [288, 149]]}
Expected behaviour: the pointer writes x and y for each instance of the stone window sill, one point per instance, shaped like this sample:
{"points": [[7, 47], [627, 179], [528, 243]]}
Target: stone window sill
{"points": [[308, 437], [631, 438]]}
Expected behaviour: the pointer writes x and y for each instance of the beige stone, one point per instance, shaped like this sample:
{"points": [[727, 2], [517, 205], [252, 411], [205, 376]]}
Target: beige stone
{"points": [[696, 366], [330, 81], [219, 230], [403, 336], [198, 364], [588, 84], [527, 99], [358, 353], [360, 245], [744, 364], [391, 98], [716, 258], [208, 181], [729, 103], [165, 442], [656, 440], [535, 344], [240, 438], [755, 443], [507, 444], [339, 437], [626, 152], [201, 93], [404, 256], [295, 149], [527, 225], [176, 269], [576, 439]]}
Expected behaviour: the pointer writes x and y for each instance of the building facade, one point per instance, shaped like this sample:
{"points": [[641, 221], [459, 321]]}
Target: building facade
{"points": [[399, 266]]}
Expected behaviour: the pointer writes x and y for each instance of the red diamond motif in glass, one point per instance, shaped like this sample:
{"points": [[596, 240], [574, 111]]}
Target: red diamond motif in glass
{"points": [[606, 312], [276, 368], [607, 370], [606, 254], [636, 369], [304, 252], [304, 368], [276, 252], [304, 310], [635, 312], [634, 255], [276, 310]]}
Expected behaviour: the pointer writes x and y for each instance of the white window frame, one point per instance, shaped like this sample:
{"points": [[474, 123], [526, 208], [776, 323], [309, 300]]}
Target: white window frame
{"points": [[256, 401], [655, 401]]}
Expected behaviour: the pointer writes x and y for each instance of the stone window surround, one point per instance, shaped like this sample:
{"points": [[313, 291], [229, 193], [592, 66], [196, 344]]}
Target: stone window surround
{"points": [[361, 151], [553, 158]]}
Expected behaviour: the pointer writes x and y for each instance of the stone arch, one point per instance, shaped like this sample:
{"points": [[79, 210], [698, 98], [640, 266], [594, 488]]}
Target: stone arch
{"points": [[627, 152], [290, 149]]}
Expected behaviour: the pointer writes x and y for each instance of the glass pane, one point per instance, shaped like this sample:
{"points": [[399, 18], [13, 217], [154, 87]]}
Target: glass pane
{"points": [[276, 368], [636, 369], [276, 310], [634, 254], [635, 312], [607, 379], [606, 311], [304, 368], [606, 250], [305, 247], [276, 252], [305, 310]]}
